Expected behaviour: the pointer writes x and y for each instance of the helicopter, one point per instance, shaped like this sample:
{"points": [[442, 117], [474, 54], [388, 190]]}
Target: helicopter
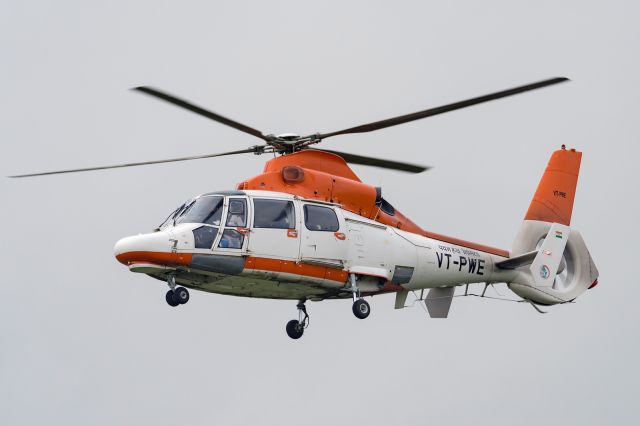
{"points": [[308, 229]]}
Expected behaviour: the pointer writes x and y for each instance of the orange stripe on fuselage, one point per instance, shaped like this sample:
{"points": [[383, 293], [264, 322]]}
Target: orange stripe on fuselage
{"points": [[289, 267], [159, 258], [255, 263]]}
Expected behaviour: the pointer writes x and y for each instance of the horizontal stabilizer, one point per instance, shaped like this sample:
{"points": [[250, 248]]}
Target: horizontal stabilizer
{"points": [[438, 301], [518, 261]]}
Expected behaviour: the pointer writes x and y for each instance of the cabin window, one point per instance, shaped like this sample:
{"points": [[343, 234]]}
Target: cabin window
{"points": [[278, 214], [202, 210], [237, 215], [318, 218]]}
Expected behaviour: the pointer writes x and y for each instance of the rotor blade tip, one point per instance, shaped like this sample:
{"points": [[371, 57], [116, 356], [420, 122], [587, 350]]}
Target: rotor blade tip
{"points": [[144, 89]]}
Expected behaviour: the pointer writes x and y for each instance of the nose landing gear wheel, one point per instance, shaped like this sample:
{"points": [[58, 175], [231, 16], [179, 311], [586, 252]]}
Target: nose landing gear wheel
{"points": [[176, 297], [295, 329], [181, 295], [361, 309], [170, 299]]}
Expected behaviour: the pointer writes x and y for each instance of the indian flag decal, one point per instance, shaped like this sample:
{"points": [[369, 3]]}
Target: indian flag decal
{"points": [[558, 234]]}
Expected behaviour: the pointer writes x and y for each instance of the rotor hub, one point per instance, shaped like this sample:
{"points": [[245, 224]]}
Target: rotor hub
{"points": [[288, 137]]}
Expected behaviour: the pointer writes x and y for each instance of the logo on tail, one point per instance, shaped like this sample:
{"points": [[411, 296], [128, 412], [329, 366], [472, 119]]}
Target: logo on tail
{"points": [[544, 272]]}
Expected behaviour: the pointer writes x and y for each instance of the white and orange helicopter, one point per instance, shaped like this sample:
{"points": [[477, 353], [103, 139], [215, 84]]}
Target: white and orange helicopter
{"points": [[307, 228]]}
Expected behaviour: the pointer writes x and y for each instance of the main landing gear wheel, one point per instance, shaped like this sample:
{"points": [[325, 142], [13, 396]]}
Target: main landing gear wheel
{"points": [[361, 309], [295, 328]]}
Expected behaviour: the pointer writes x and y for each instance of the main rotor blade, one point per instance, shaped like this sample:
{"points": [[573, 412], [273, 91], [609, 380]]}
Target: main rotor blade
{"points": [[376, 162], [142, 163], [200, 111], [442, 109]]}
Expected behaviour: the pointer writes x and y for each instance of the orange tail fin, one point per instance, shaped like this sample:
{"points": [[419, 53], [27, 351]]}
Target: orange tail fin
{"points": [[553, 200]]}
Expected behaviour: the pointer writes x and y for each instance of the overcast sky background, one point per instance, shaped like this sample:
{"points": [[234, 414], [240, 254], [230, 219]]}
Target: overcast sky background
{"points": [[84, 341]]}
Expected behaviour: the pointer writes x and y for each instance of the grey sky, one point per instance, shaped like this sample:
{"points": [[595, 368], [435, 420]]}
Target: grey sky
{"points": [[84, 341]]}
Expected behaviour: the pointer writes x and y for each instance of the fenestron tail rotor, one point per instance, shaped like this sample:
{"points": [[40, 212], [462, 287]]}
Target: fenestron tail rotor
{"points": [[286, 144]]}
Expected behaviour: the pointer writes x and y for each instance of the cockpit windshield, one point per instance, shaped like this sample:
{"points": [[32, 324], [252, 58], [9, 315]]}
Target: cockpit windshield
{"points": [[201, 210], [204, 209], [169, 220]]}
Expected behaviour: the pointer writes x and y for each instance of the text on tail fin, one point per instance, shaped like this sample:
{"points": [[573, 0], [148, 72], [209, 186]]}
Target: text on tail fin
{"points": [[553, 200]]}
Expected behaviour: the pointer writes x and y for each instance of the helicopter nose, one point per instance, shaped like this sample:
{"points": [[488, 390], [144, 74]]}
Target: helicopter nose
{"points": [[157, 248]]}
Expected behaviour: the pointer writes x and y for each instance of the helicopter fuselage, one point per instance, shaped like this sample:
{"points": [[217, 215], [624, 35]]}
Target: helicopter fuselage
{"points": [[280, 246]]}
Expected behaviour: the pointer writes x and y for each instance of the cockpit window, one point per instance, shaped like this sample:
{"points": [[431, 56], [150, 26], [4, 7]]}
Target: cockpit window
{"points": [[237, 215], [201, 210], [231, 239], [278, 214], [204, 236]]}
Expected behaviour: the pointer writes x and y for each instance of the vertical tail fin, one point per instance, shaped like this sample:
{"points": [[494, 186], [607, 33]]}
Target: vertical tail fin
{"points": [[553, 200]]}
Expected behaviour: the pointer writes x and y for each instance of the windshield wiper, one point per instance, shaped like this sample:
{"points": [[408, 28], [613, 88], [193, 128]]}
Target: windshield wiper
{"points": [[164, 222], [182, 210]]}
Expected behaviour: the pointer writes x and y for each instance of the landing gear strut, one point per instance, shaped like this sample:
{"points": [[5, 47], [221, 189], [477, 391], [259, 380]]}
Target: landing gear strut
{"points": [[176, 295], [360, 308], [295, 328]]}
